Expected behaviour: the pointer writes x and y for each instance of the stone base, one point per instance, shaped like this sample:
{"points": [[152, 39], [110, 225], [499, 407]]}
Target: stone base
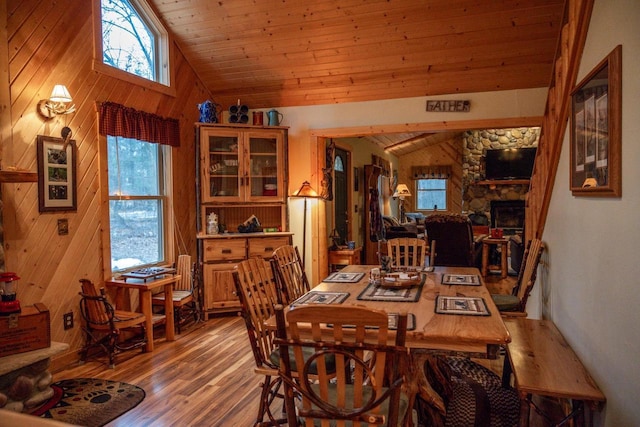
{"points": [[25, 379]]}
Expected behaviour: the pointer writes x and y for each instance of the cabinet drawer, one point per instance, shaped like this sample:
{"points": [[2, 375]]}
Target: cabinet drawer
{"points": [[224, 249], [264, 247]]}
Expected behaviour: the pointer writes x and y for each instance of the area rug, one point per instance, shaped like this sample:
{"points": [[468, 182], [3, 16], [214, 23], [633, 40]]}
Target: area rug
{"points": [[90, 401]]}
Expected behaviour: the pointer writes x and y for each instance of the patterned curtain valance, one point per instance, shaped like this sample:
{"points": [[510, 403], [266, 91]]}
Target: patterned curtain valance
{"points": [[118, 120], [431, 172]]}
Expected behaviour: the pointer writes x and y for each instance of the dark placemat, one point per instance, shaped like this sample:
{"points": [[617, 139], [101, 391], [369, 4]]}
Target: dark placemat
{"points": [[393, 322], [320, 297], [375, 292], [465, 306], [461, 279], [339, 277]]}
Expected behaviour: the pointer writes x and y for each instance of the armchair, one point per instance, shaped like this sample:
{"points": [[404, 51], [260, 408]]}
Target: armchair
{"points": [[455, 243]]}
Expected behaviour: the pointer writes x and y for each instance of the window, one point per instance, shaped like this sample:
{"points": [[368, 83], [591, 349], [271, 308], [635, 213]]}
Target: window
{"points": [[133, 40], [432, 194], [137, 202]]}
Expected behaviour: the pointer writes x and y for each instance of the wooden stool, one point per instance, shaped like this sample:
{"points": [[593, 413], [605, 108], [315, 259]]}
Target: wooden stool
{"points": [[344, 256], [486, 243]]}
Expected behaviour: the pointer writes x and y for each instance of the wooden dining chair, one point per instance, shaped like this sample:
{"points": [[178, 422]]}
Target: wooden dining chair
{"points": [[368, 392], [104, 326], [515, 304], [292, 280], [256, 289], [408, 251], [184, 301]]}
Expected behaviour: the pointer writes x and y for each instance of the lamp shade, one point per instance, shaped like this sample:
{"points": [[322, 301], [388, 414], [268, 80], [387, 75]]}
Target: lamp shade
{"points": [[60, 93], [402, 191], [306, 190]]}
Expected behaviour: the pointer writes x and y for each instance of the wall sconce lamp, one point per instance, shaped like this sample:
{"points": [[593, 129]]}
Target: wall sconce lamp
{"points": [[59, 103], [402, 191]]}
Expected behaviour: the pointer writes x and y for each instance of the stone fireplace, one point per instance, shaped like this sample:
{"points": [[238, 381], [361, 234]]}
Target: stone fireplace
{"points": [[508, 215]]}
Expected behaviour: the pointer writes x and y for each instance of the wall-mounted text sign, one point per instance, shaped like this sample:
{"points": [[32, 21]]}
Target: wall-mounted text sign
{"points": [[449, 106]]}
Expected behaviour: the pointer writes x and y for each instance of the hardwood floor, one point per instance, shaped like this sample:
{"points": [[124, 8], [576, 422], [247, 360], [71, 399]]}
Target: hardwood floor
{"points": [[204, 378]]}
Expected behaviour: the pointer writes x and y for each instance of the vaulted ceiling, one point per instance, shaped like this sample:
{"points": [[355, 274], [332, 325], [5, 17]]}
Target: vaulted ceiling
{"points": [[298, 52]]}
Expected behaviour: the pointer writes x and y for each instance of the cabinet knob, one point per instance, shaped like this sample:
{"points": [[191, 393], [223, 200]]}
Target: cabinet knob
{"points": [[226, 251], [268, 249]]}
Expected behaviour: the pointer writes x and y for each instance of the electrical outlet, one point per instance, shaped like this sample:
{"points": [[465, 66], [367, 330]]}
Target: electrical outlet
{"points": [[68, 320]]}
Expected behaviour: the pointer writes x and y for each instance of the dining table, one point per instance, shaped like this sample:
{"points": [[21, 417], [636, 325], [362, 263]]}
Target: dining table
{"points": [[450, 311]]}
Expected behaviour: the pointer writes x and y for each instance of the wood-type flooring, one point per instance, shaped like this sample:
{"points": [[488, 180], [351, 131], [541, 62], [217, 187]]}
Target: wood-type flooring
{"points": [[204, 378]]}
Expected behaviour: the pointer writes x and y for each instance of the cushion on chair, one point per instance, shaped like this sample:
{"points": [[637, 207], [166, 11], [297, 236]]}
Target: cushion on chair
{"points": [[506, 302], [274, 357], [176, 296], [384, 408], [474, 396]]}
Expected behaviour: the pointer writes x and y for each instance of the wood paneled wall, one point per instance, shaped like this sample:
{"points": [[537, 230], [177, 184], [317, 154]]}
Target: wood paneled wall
{"points": [[445, 152], [51, 42]]}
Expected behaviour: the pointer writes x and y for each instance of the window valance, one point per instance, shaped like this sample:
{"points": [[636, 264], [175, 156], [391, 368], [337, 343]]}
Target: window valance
{"points": [[118, 120], [431, 172]]}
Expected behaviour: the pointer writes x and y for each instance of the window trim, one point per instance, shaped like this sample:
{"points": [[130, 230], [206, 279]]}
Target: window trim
{"points": [[168, 225], [165, 48]]}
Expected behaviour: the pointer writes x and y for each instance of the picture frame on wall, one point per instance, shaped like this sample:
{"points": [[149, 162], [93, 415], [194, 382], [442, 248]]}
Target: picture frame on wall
{"points": [[57, 181], [596, 110]]}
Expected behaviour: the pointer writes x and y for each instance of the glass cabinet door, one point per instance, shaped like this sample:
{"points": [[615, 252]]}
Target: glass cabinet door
{"points": [[223, 167], [265, 166]]}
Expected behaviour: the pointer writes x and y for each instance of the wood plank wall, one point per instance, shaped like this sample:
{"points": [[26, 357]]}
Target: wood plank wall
{"points": [[447, 152], [51, 42], [563, 79]]}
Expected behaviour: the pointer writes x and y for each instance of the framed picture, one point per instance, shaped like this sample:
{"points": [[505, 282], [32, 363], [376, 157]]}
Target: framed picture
{"points": [[57, 188], [596, 105]]}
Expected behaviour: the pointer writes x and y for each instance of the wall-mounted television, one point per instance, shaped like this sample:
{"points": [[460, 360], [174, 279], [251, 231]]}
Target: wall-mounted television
{"points": [[509, 163]]}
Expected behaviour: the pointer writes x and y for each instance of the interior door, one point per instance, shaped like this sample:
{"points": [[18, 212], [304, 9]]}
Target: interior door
{"points": [[340, 190]]}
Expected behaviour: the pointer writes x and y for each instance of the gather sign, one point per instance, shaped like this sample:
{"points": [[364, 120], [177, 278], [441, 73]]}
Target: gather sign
{"points": [[449, 106]]}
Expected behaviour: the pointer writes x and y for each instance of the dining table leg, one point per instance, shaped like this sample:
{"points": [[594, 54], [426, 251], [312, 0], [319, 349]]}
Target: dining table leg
{"points": [[146, 309], [417, 384], [168, 310]]}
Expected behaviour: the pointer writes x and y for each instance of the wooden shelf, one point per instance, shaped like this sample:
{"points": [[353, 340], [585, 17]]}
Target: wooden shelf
{"points": [[504, 182], [18, 176]]}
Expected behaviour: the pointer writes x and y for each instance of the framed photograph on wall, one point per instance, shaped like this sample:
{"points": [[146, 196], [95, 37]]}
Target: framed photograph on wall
{"points": [[596, 110], [57, 188]]}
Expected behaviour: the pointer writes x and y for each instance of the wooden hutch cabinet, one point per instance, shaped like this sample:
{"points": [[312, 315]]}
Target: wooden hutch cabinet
{"points": [[242, 171]]}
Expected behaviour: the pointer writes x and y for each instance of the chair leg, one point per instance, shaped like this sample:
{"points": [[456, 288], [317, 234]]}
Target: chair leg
{"points": [[270, 391]]}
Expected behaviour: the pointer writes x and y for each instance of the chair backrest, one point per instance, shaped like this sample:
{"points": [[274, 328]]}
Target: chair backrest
{"points": [[184, 268], [528, 271], [256, 288], [356, 337], [407, 251], [454, 236], [94, 307], [292, 280]]}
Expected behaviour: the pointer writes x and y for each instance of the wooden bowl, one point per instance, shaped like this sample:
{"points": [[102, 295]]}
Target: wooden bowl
{"points": [[400, 280]]}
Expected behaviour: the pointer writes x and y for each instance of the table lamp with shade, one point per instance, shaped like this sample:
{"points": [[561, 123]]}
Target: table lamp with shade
{"points": [[335, 238], [402, 192]]}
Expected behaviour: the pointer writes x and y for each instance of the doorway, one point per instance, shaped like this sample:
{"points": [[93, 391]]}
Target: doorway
{"points": [[341, 168]]}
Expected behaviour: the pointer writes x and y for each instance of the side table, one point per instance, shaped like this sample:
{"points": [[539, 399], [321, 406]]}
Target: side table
{"points": [[486, 244], [344, 256]]}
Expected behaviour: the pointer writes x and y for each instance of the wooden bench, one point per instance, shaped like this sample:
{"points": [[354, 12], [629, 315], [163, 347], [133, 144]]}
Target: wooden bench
{"points": [[543, 364]]}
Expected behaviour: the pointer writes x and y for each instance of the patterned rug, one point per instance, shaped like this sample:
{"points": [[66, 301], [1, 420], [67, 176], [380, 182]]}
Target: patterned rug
{"points": [[90, 401]]}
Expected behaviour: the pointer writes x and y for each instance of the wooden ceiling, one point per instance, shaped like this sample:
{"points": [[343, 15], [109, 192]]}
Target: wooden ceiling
{"points": [[296, 52]]}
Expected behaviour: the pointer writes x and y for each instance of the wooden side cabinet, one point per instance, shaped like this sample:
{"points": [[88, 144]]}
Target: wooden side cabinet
{"points": [[220, 254]]}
